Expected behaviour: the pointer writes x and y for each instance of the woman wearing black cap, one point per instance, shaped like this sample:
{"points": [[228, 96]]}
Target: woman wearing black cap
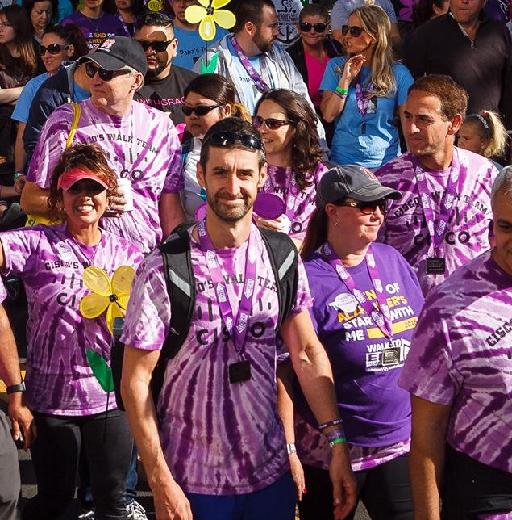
{"points": [[366, 303]]}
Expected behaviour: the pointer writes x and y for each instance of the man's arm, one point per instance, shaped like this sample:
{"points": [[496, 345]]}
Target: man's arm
{"points": [[429, 423], [311, 364], [34, 200], [138, 365], [171, 212]]}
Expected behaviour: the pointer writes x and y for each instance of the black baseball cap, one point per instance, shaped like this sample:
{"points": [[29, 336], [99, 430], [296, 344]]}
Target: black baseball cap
{"points": [[351, 181], [118, 52]]}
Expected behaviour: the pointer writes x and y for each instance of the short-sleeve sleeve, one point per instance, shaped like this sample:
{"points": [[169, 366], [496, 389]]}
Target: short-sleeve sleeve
{"points": [[303, 300], [19, 248], [404, 81], [24, 102], [331, 77]]}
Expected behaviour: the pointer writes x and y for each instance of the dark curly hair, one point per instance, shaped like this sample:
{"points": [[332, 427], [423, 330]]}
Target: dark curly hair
{"points": [[307, 152], [87, 156], [72, 35]]}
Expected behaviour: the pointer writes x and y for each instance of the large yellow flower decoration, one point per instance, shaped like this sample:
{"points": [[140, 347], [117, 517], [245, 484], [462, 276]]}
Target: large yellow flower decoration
{"points": [[107, 295], [207, 15]]}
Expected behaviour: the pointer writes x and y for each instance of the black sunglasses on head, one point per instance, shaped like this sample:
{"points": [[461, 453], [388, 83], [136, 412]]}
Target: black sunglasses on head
{"points": [[156, 45], [230, 138], [354, 30], [317, 27], [366, 208], [106, 75], [273, 124], [200, 110], [53, 48]]}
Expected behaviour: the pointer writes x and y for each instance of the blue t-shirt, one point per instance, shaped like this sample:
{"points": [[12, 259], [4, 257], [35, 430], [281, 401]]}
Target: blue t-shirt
{"points": [[26, 97], [191, 46], [366, 364], [375, 142]]}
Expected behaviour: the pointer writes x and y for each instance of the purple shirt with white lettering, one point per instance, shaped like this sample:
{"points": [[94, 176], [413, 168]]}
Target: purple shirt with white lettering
{"points": [[142, 146], [461, 357], [51, 264], [218, 438], [300, 204], [467, 231], [97, 30]]}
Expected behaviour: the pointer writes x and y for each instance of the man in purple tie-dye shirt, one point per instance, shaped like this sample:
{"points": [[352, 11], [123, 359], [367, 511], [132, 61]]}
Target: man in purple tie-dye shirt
{"points": [[218, 450], [442, 220], [459, 372]]}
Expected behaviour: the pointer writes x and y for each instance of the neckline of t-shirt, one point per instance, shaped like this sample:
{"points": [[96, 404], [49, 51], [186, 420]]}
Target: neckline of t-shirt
{"points": [[435, 173], [226, 252]]}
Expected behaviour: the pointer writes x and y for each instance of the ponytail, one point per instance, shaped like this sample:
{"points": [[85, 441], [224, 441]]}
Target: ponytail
{"points": [[316, 234]]}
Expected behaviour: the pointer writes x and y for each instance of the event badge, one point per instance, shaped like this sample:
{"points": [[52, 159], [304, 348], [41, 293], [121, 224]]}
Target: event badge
{"points": [[436, 265], [239, 372]]}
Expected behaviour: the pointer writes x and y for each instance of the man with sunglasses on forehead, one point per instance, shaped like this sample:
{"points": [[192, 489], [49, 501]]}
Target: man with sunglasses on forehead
{"points": [[443, 220], [217, 451], [165, 83], [141, 144]]}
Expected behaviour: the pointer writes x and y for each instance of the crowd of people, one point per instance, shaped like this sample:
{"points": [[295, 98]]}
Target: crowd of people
{"points": [[275, 276]]}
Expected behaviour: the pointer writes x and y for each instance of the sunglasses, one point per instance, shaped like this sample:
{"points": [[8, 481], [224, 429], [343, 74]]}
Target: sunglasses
{"points": [[317, 27], [156, 45], [366, 208], [231, 138], [354, 30], [200, 110], [86, 186], [104, 74], [53, 48], [273, 124]]}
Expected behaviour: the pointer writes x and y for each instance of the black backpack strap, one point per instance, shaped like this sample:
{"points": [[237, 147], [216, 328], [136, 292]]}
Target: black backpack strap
{"points": [[284, 258]]}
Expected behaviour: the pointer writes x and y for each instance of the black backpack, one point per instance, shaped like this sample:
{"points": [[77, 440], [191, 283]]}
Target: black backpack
{"points": [[179, 277]]}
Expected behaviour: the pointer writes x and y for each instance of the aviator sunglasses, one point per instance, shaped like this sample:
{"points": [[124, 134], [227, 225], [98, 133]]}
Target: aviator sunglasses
{"points": [[53, 48], [366, 208], [273, 124], [317, 27], [104, 74], [156, 45], [354, 30], [200, 110]]}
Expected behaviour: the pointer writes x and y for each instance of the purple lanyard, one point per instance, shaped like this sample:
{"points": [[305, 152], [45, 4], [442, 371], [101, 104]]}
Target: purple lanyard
{"points": [[260, 83], [380, 316], [236, 327], [362, 99], [437, 227]]}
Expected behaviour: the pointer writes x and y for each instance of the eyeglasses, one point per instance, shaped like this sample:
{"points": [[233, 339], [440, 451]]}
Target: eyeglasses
{"points": [[86, 186], [156, 45], [200, 110], [105, 75], [273, 124], [366, 208], [317, 27], [354, 30], [53, 48], [230, 138]]}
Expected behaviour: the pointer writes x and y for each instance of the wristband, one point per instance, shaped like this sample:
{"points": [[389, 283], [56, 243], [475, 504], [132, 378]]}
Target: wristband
{"points": [[17, 175], [342, 92], [290, 448], [20, 387], [335, 422], [338, 440]]}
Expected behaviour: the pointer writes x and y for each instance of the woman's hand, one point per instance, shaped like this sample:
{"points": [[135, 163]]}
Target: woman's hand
{"points": [[297, 474], [351, 70]]}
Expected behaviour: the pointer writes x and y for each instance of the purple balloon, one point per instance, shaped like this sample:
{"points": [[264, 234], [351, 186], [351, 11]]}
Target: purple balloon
{"points": [[269, 206]]}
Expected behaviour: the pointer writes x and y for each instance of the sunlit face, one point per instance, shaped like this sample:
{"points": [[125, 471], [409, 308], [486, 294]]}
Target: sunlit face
{"points": [[85, 202], [198, 125], [426, 129], [267, 30], [231, 180], [158, 62], [466, 11], [51, 61], [470, 138], [502, 218], [41, 15], [179, 7], [312, 37], [357, 44], [118, 89], [280, 139], [7, 32]]}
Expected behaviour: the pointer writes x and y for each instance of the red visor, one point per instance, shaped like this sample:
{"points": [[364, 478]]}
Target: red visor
{"points": [[67, 179]]}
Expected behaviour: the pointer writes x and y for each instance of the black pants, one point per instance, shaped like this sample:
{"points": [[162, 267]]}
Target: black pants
{"points": [[384, 490], [56, 454], [9, 472]]}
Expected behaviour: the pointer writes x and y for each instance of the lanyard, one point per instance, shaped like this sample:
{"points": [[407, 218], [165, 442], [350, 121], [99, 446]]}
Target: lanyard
{"points": [[236, 326], [437, 228], [381, 315], [260, 83]]}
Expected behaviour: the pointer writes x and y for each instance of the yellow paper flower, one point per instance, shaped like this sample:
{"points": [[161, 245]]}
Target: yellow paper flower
{"points": [[207, 15], [107, 295]]}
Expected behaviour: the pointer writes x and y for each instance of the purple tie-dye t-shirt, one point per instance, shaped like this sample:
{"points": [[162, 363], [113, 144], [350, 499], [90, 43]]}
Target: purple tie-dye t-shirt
{"points": [[461, 357], [467, 232], [51, 263], [142, 147], [218, 438], [300, 204]]}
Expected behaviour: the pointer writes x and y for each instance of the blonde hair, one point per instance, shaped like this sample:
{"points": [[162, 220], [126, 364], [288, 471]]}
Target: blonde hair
{"points": [[490, 127], [376, 23]]}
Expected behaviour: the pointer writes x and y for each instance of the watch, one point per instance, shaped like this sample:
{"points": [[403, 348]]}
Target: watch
{"points": [[20, 387]]}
